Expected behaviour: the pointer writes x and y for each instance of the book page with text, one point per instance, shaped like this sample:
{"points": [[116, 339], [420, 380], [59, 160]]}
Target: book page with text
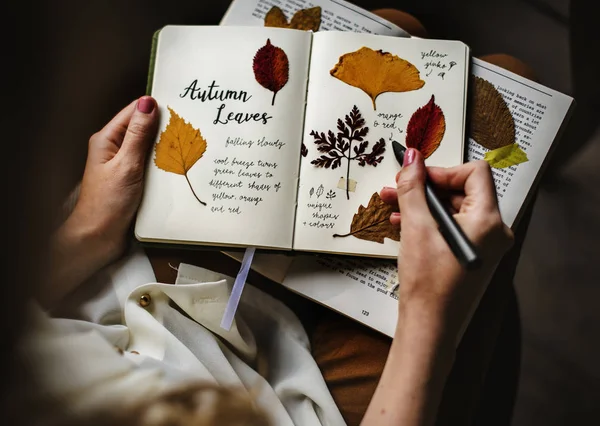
{"points": [[336, 15], [538, 113], [224, 167], [367, 290], [417, 91]]}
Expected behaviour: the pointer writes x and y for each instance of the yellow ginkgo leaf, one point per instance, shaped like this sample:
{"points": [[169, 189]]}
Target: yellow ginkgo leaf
{"points": [[179, 147], [376, 72]]}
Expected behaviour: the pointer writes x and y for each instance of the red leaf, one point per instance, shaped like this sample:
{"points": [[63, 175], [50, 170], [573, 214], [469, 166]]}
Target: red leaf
{"points": [[426, 128], [271, 68]]}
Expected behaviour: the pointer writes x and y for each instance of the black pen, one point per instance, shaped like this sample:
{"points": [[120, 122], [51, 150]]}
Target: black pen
{"points": [[460, 245]]}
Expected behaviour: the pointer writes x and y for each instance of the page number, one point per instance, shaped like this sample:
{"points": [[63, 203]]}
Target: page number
{"points": [[365, 313]]}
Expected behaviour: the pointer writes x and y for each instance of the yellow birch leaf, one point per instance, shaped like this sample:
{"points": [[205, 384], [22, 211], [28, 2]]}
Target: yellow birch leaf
{"points": [[509, 155], [179, 147], [376, 72]]}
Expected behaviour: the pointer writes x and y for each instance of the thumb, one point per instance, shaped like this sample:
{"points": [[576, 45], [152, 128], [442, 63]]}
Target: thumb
{"points": [[141, 131], [411, 190]]}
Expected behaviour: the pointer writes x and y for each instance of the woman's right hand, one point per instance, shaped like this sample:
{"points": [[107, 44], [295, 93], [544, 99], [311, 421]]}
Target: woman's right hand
{"points": [[437, 294]]}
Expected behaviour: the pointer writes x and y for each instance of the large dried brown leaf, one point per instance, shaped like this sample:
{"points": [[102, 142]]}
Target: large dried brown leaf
{"points": [[372, 223], [491, 123], [426, 128], [303, 19], [376, 72], [180, 146]]}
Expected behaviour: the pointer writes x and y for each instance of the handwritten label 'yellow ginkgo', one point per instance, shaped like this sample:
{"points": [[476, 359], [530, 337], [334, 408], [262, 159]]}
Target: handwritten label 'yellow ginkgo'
{"points": [[509, 155], [179, 147]]}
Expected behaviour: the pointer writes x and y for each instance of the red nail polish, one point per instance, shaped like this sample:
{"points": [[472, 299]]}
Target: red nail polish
{"points": [[409, 157], [146, 104]]}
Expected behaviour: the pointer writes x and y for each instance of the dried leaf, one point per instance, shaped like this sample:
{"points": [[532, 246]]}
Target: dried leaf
{"points": [[491, 123], [179, 147], [336, 148], [509, 155], [426, 128], [276, 18], [303, 19], [271, 68], [372, 223], [376, 72]]}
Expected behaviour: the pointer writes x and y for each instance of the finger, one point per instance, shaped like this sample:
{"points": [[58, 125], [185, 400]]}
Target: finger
{"points": [[473, 178], [411, 190], [116, 128], [389, 196], [456, 201], [395, 219], [140, 131], [453, 199]]}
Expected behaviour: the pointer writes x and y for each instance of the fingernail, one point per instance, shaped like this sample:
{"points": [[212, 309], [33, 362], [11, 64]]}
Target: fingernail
{"points": [[146, 104], [395, 215], [409, 157]]}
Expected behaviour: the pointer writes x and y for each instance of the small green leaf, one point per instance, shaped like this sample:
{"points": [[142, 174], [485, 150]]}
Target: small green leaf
{"points": [[509, 155]]}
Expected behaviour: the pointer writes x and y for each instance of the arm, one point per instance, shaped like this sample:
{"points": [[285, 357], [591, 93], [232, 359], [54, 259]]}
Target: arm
{"points": [[96, 232], [436, 294]]}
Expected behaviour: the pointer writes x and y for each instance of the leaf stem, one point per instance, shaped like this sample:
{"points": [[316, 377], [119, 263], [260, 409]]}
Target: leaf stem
{"points": [[359, 230], [193, 192], [273, 102], [348, 172]]}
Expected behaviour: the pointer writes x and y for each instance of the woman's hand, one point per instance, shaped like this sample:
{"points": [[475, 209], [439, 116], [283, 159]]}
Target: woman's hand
{"points": [[434, 287], [437, 295], [111, 189], [96, 232]]}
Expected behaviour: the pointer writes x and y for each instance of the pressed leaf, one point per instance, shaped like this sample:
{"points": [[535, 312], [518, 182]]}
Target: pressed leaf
{"points": [[307, 19], [509, 155], [336, 148], [491, 123], [372, 223], [276, 18], [426, 128], [271, 68], [303, 19], [376, 72], [179, 147]]}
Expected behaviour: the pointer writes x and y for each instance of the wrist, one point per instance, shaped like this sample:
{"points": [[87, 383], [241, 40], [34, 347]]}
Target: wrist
{"points": [[423, 332], [87, 240]]}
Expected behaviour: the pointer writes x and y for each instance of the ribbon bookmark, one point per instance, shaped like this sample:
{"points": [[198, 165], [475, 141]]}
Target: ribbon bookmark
{"points": [[236, 291]]}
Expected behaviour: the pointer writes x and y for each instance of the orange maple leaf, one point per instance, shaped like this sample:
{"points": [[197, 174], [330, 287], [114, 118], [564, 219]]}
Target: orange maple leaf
{"points": [[180, 146]]}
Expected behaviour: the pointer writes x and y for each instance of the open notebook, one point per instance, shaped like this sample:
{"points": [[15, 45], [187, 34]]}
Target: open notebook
{"points": [[366, 289], [281, 139]]}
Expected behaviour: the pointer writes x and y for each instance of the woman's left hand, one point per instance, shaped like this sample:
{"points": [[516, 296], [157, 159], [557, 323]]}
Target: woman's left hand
{"points": [[111, 189], [97, 231]]}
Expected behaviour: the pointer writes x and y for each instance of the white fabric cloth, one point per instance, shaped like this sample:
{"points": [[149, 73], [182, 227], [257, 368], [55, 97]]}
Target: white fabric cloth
{"points": [[177, 339]]}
